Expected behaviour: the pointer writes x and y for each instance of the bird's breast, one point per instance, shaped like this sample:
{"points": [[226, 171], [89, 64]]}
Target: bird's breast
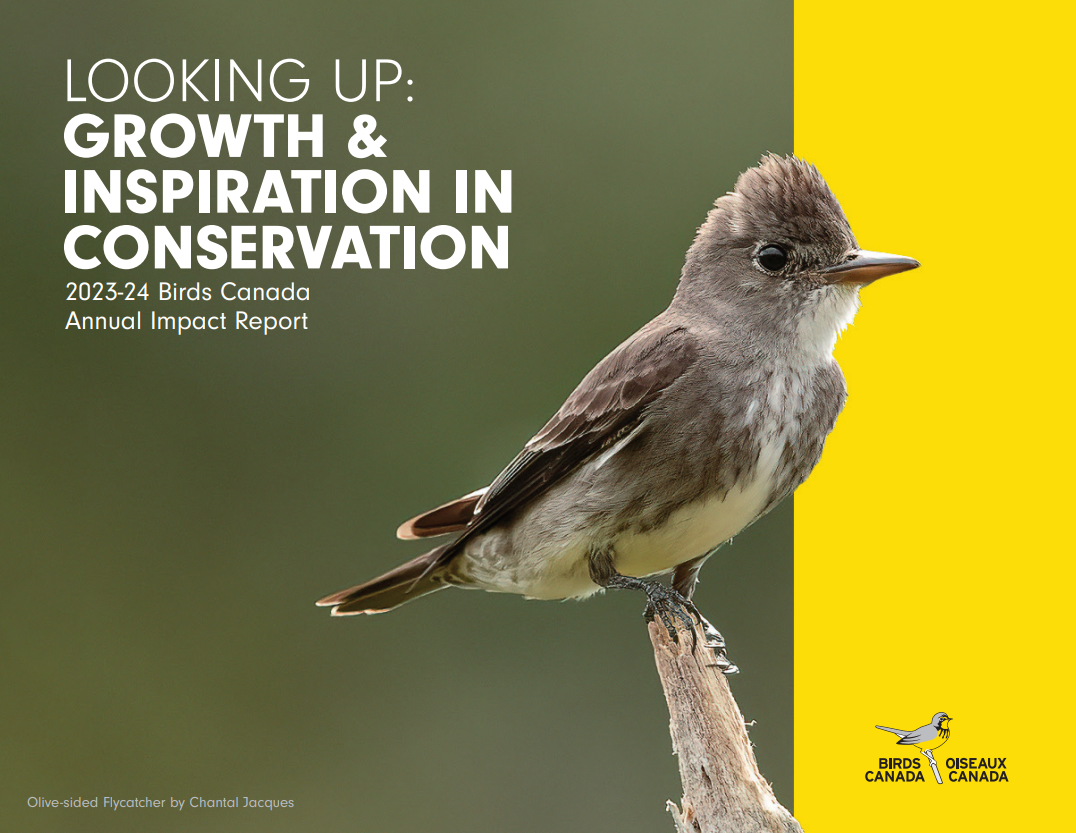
{"points": [[757, 453], [705, 523]]}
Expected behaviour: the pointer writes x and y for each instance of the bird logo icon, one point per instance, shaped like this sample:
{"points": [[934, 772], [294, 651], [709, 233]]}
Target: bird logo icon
{"points": [[926, 738]]}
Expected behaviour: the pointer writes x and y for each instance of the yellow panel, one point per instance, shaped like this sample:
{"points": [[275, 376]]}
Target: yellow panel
{"points": [[934, 563]]}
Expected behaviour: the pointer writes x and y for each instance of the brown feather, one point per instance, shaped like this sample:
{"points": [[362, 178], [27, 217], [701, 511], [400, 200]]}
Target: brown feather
{"points": [[449, 517], [401, 584], [609, 402]]}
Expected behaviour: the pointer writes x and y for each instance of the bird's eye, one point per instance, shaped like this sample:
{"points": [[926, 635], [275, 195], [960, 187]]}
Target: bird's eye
{"points": [[772, 258]]}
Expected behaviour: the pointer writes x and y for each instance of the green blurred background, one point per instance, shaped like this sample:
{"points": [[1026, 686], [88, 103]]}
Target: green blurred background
{"points": [[172, 506]]}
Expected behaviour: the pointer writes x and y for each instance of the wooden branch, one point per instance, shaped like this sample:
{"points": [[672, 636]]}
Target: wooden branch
{"points": [[723, 789]]}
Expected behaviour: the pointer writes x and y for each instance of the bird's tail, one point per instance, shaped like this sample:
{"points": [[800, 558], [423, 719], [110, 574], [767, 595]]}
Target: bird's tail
{"points": [[406, 582], [900, 732]]}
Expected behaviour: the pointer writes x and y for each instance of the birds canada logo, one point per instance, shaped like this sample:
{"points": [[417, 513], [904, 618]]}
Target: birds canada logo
{"points": [[926, 738], [685, 434]]}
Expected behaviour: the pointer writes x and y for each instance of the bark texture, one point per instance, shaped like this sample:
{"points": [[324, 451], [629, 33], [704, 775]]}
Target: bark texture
{"points": [[723, 790]]}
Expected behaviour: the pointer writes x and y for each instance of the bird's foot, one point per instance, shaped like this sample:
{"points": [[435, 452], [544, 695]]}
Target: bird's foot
{"points": [[662, 603], [673, 612], [674, 609]]}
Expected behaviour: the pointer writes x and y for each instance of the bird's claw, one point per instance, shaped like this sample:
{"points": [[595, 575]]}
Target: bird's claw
{"points": [[714, 639], [723, 664], [672, 611], [716, 643]]}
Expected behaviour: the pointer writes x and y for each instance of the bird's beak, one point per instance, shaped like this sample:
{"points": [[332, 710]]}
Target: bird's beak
{"points": [[863, 268]]}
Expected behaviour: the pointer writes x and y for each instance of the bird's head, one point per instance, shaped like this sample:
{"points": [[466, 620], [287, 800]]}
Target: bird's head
{"points": [[777, 251], [941, 720]]}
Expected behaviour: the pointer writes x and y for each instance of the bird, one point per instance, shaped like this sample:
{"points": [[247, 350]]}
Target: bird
{"points": [[925, 738], [685, 434]]}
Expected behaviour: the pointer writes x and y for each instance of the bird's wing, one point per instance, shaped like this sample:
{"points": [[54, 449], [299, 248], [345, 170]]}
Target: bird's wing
{"points": [[606, 406], [920, 735]]}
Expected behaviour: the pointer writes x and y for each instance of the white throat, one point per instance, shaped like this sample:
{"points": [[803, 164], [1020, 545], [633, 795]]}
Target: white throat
{"points": [[819, 324]]}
